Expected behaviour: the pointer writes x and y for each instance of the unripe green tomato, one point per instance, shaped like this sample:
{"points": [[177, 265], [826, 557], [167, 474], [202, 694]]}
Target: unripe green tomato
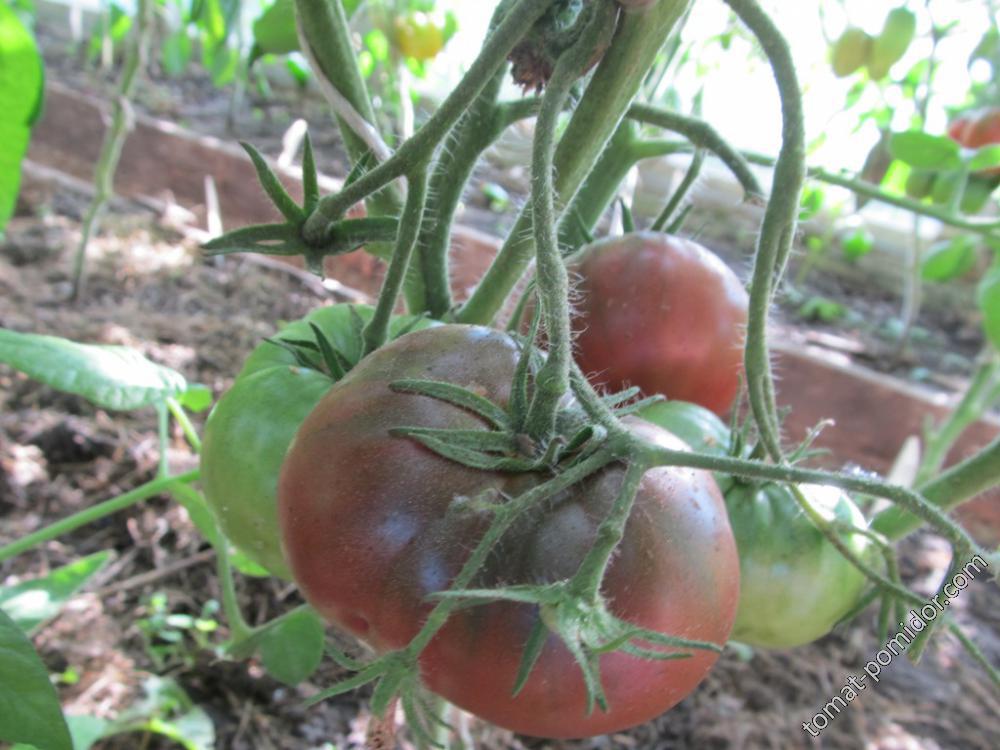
{"points": [[794, 584], [249, 430], [700, 428], [919, 183], [891, 44], [850, 52]]}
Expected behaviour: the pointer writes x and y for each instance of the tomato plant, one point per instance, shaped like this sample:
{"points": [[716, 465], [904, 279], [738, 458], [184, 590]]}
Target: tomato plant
{"points": [[794, 584], [662, 313], [252, 425], [367, 545]]}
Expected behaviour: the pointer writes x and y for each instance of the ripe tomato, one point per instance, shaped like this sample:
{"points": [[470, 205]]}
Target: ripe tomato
{"points": [[372, 524], [794, 584], [661, 313], [252, 425], [977, 129], [418, 36]]}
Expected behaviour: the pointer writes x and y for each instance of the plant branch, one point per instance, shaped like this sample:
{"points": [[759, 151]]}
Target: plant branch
{"points": [[614, 84], [778, 227], [552, 381], [702, 135], [122, 120], [377, 330], [420, 147], [89, 515]]}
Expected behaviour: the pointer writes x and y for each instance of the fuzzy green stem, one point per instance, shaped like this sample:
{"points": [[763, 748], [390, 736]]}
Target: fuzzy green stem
{"points": [[682, 190], [927, 508], [702, 135], [600, 187], [472, 135], [504, 519], [637, 41], [987, 228], [158, 486], [952, 487], [552, 380], [239, 628], [778, 227], [114, 139], [588, 579], [419, 148], [377, 330]]}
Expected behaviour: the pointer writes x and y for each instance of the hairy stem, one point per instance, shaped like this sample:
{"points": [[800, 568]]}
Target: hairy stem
{"points": [[377, 330], [552, 381], [114, 139], [638, 39], [778, 227], [420, 147], [702, 135], [690, 177]]}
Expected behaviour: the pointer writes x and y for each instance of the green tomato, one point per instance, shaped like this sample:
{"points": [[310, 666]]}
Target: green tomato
{"points": [[850, 52], [700, 428], [249, 430], [794, 584]]}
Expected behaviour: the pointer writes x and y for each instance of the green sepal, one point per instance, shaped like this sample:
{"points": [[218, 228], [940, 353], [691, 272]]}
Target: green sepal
{"points": [[273, 187], [456, 396]]}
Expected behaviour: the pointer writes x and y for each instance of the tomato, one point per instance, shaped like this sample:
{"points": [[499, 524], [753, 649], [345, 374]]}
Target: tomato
{"points": [[699, 428], [794, 585], [850, 52], [892, 42], [661, 313], [418, 36], [252, 425], [373, 523], [976, 129]]}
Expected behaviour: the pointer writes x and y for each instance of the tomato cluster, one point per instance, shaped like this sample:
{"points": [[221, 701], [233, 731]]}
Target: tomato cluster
{"points": [[373, 522]]}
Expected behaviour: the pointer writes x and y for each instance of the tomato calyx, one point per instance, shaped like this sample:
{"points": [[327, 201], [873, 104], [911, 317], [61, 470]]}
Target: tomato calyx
{"points": [[289, 238]]}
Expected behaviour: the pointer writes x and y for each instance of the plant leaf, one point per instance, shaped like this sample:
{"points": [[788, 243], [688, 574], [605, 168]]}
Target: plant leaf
{"points": [[949, 260], [29, 706], [293, 648], [113, 377], [925, 151], [32, 602], [988, 297]]}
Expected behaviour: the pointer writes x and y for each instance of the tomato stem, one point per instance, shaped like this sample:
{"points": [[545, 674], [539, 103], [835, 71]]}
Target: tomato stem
{"points": [[158, 486], [552, 381], [377, 330], [114, 140], [420, 147], [778, 227], [637, 41], [681, 192], [702, 135]]}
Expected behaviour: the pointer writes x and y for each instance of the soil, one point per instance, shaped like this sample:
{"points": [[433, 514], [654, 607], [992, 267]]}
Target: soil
{"points": [[149, 288]]}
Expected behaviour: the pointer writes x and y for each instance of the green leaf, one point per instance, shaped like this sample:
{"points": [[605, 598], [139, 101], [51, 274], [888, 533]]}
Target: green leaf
{"points": [[87, 730], [293, 648], [29, 706], [176, 52], [196, 398], [925, 151], [113, 377], [988, 298], [274, 30], [22, 82], [986, 157], [949, 260], [32, 602]]}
